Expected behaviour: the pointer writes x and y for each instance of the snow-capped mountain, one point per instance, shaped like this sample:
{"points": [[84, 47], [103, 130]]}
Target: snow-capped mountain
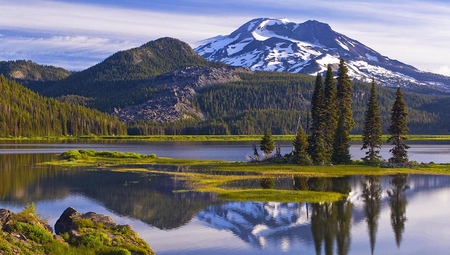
{"points": [[266, 44]]}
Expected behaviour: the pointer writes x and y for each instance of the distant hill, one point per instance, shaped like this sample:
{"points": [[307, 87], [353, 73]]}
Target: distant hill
{"points": [[112, 82], [26, 71], [125, 67], [151, 59], [25, 113]]}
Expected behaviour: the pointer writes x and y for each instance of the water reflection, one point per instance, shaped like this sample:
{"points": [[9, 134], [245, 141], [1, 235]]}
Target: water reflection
{"points": [[398, 202], [147, 197], [18, 173], [328, 226], [331, 222], [267, 183], [260, 224], [371, 195], [372, 218]]}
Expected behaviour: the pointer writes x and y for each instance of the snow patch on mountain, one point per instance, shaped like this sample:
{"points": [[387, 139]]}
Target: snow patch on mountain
{"points": [[267, 44], [343, 45], [370, 57]]}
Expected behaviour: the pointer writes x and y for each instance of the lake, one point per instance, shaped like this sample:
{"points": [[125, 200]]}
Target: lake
{"points": [[420, 151], [382, 215]]}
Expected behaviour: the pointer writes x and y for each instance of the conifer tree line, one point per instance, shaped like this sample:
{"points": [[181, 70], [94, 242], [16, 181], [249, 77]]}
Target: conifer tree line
{"points": [[328, 139], [275, 100], [25, 113]]}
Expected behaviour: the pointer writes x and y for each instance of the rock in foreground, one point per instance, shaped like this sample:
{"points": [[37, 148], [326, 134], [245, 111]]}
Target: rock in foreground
{"points": [[76, 233]]}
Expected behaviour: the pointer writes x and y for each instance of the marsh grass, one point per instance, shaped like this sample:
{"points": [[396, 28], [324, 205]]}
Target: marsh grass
{"points": [[269, 195], [212, 175]]}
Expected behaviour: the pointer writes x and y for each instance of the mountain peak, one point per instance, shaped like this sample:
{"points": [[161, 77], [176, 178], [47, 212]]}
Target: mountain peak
{"points": [[272, 44]]}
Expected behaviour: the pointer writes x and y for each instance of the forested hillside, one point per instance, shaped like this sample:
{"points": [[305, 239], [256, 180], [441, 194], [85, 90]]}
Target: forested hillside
{"points": [[25, 113], [28, 71], [156, 73], [112, 82], [270, 100]]}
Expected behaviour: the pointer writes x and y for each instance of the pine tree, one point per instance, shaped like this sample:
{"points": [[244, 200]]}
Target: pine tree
{"points": [[300, 144], [267, 144], [331, 111], [317, 138], [398, 130], [372, 130], [341, 145]]}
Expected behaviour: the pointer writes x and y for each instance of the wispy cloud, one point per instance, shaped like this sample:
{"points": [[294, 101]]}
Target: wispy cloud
{"points": [[70, 51], [104, 21], [43, 30], [413, 31]]}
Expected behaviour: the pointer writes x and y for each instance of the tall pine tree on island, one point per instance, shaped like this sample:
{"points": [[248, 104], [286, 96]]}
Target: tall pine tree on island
{"points": [[398, 130], [372, 130], [331, 112], [316, 138], [341, 144]]}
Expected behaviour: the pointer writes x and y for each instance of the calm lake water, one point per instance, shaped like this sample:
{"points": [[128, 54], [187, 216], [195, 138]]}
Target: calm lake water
{"points": [[385, 215], [420, 151]]}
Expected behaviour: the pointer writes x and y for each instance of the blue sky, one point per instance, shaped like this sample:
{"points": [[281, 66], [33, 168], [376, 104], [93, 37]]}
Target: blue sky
{"points": [[76, 34]]}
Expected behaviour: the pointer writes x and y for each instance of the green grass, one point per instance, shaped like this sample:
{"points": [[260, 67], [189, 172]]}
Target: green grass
{"points": [[93, 239], [202, 138], [211, 176], [34, 232], [270, 195]]}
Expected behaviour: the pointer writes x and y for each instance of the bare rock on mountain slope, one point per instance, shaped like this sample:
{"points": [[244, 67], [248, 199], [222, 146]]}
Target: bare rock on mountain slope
{"points": [[173, 103]]}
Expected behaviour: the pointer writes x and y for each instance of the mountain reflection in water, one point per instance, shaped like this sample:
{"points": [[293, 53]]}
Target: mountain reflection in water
{"points": [[382, 215], [326, 228]]}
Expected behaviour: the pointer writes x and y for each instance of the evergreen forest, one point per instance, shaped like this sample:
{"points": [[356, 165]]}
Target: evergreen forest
{"points": [[277, 101], [259, 102], [25, 113]]}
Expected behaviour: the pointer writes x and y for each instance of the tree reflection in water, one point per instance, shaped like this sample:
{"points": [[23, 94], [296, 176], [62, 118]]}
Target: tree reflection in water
{"points": [[331, 222], [143, 196], [372, 202], [397, 202]]}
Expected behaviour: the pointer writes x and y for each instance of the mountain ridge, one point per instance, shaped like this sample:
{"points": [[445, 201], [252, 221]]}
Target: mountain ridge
{"points": [[29, 71], [189, 95], [267, 44]]}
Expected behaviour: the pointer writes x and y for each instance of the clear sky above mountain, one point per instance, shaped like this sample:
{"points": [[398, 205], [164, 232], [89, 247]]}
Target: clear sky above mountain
{"points": [[76, 34]]}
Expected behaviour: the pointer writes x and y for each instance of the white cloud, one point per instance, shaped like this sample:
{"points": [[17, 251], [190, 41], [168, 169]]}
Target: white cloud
{"points": [[44, 30], [413, 31], [64, 51], [444, 69], [112, 22]]}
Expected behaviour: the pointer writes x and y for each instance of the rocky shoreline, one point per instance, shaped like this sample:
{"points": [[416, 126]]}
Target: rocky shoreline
{"points": [[75, 233]]}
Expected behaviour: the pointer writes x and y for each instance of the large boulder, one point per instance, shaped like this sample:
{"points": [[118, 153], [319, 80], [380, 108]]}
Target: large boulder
{"points": [[98, 218], [65, 222]]}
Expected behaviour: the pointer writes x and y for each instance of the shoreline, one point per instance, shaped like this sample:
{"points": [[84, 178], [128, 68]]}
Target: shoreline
{"points": [[203, 138]]}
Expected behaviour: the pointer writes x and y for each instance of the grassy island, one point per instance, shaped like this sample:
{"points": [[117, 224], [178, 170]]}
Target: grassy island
{"points": [[214, 176]]}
